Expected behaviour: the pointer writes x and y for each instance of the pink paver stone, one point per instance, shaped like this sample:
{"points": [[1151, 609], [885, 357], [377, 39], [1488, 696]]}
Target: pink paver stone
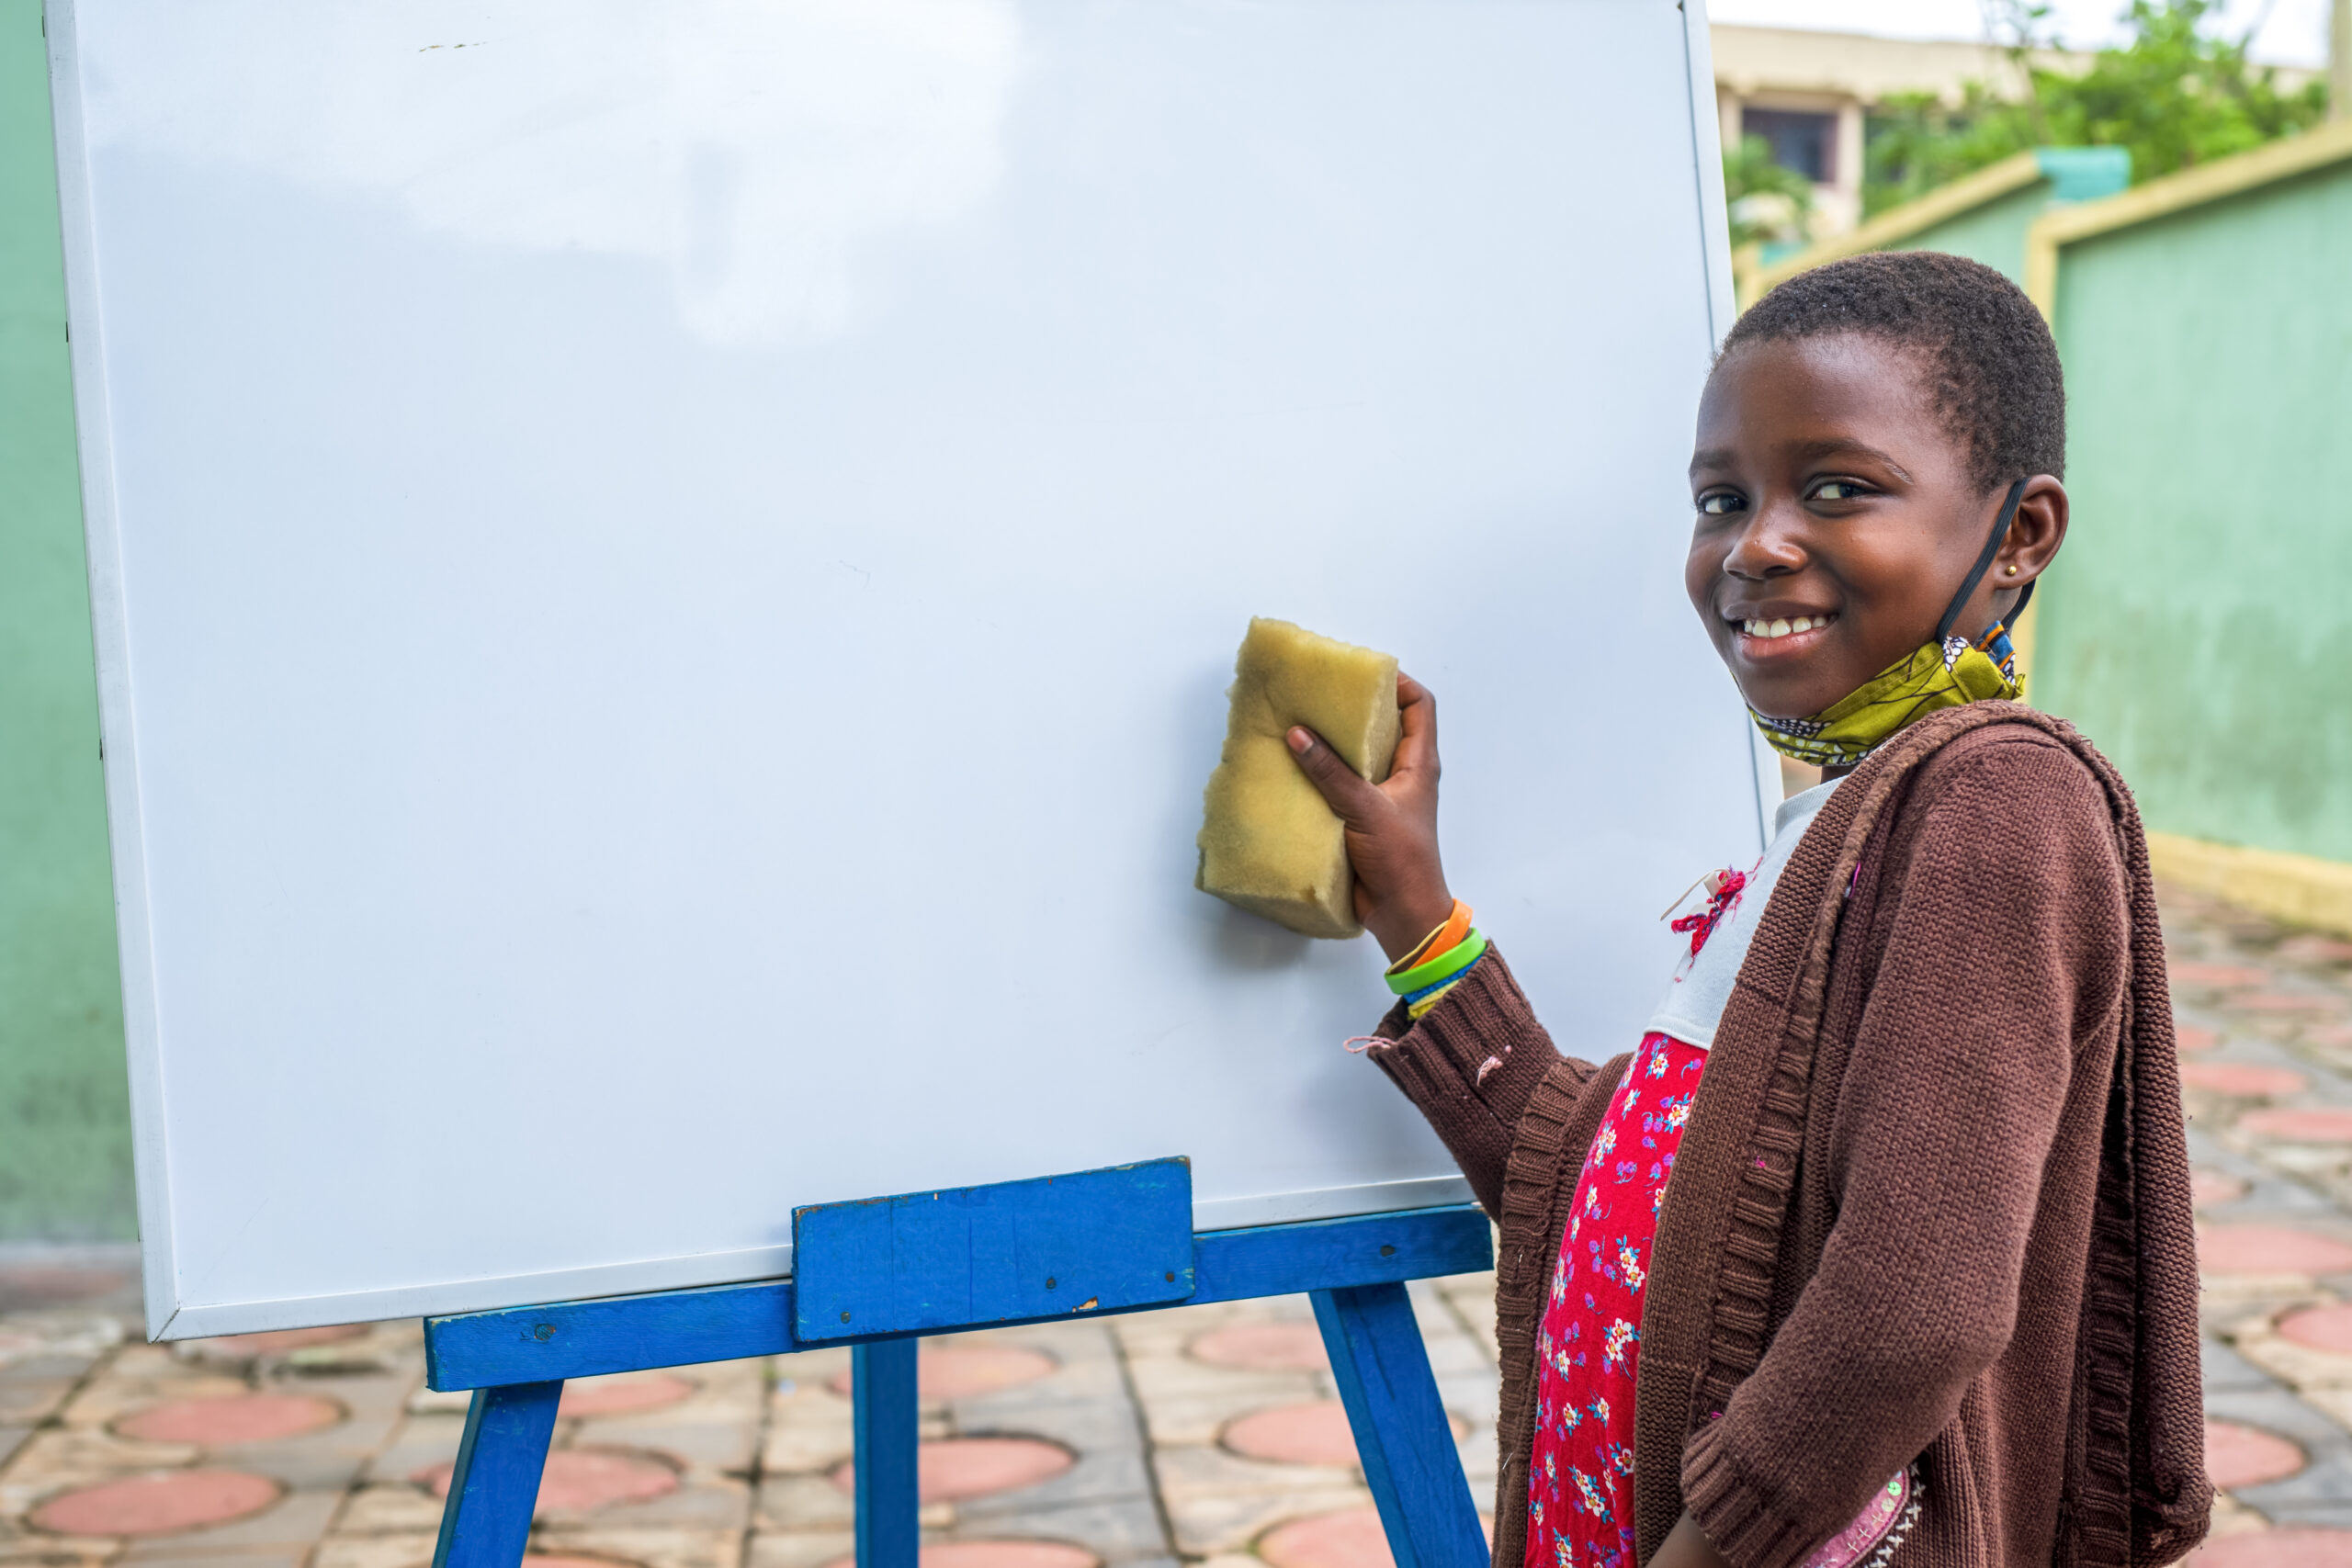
{"points": [[2210, 1189], [2320, 1329], [2269, 1249], [578, 1480], [2330, 1034], [2242, 1079], [947, 1469], [964, 1372], [157, 1505], [623, 1395], [2220, 975], [2188, 1037], [1313, 1433], [2300, 1124], [2276, 1549], [2247, 1456], [277, 1342], [32, 1286], [997, 1554], [2283, 1001], [1263, 1347], [235, 1418], [558, 1560], [1351, 1538]]}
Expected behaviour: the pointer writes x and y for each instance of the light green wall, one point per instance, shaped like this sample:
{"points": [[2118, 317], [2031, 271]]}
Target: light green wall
{"points": [[2198, 624], [64, 1117], [1993, 233]]}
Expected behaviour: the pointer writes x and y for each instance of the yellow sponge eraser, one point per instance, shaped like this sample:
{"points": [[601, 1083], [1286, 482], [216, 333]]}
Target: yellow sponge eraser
{"points": [[1269, 844]]}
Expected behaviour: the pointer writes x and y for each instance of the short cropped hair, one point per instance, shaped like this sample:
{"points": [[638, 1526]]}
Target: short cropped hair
{"points": [[1994, 364]]}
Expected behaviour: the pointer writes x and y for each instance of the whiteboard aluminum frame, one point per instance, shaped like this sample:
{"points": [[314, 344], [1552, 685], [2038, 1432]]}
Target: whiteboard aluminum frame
{"points": [[168, 1315]]}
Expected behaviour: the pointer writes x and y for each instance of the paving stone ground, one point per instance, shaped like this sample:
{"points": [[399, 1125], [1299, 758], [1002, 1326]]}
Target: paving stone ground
{"points": [[1200, 1436]]}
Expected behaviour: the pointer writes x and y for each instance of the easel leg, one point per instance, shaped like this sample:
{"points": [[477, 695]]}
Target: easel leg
{"points": [[496, 1488], [1402, 1435], [882, 1385]]}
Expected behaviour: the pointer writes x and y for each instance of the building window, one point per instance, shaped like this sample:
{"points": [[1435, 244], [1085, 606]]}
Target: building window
{"points": [[1807, 143]]}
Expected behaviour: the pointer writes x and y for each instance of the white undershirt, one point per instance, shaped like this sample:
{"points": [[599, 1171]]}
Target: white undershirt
{"points": [[1694, 1002]]}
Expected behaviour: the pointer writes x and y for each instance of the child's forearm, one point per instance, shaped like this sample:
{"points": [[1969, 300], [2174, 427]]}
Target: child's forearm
{"points": [[1473, 1064]]}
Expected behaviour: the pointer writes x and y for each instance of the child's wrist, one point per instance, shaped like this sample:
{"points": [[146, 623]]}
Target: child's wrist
{"points": [[1411, 922]]}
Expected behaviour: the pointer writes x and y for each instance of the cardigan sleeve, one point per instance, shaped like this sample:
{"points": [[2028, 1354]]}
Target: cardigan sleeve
{"points": [[1470, 1065], [2004, 956]]}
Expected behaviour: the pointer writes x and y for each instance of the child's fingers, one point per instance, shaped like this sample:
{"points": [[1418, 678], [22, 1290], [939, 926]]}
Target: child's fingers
{"points": [[1417, 747], [1346, 792]]}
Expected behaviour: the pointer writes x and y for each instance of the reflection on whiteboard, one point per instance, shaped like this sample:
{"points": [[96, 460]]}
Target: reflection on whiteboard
{"points": [[748, 149]]}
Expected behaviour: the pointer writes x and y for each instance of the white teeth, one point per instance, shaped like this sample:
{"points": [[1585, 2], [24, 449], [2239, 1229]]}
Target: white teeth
{"points": [[1770, 631]]}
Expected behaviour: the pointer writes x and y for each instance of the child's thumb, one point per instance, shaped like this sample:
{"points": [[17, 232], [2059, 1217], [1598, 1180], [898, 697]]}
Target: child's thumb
{"points": [[1342, 788]]}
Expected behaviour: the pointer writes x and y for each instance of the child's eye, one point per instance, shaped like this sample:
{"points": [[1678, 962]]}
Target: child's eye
{"points": [[1721, 502], [1838, 490]]}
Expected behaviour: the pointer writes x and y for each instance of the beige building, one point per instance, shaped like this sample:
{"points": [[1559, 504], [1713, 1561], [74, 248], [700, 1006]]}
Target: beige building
{"points": [[1807, 93]]}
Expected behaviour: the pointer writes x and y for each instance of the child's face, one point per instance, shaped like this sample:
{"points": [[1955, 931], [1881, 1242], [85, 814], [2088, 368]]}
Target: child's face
{"points": [[1829, 490]]}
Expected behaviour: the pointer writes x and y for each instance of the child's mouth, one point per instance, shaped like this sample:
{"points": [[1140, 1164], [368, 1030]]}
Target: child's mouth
{"points": [[1782, 635]]}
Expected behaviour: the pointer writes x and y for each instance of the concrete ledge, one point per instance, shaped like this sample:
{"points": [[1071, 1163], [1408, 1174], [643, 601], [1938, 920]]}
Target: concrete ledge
{"points": [[2301, 889]]}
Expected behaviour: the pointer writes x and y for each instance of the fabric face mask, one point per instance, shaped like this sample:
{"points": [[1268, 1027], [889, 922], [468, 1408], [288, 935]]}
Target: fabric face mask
{"points": [[1944, 673]]}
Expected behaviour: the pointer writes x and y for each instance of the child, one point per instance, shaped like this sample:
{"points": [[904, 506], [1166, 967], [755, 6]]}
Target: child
{"points": [[1922, 1288]]}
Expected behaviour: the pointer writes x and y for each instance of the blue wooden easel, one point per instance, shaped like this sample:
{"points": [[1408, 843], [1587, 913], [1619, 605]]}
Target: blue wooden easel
{"points": [[879, 1274]]}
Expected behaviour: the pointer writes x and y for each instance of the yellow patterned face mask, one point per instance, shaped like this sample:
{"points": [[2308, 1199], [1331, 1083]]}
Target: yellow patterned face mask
{"points": [[1944, 673]]}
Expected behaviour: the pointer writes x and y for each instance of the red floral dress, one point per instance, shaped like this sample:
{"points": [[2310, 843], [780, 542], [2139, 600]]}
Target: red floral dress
{"points": [[1580, 1487]]}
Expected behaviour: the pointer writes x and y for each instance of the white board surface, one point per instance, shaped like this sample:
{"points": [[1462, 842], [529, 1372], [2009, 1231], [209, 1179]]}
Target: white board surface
{"points": [[665, 573]]}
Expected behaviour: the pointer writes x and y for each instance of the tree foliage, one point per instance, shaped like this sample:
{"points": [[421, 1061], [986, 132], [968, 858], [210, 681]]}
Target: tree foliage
{"points": [[1765, 201], [2176, 94]]}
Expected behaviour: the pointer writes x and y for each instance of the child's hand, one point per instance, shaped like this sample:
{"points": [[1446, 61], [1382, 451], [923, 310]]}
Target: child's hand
{"points": [[1390, 828], [1687, 1546]]}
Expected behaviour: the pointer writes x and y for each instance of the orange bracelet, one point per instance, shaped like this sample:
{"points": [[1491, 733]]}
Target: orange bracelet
{"points": [[1448, 935]]}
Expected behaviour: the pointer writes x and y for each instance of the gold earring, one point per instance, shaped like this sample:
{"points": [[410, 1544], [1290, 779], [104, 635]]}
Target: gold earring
{"points": [[2012, 571]]}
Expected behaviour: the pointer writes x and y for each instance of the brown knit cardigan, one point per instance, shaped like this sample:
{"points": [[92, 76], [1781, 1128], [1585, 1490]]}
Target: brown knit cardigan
{"points": [[1932, 1206]]}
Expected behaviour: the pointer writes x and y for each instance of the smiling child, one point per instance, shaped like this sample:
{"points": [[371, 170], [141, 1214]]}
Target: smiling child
{"points": [[1922, 1287]]}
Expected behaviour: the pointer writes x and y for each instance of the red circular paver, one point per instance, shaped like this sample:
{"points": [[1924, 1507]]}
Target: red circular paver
{"points": [[2282, 1001], [2242, 1079], [556, 1560], [2276, 1549], [578, 1480], [997, 1554], [1313, 1433], [2330, 1034], [2300, 1125], [2269, 1249], [2190, 1038], [2320, 1329], [2210, 1189], [962, 1371], [2247, 1456], [278, 1341], [948, 1469], [236, 1419], [1263, 1347], [157, 1505], [623, 1395], [1351, 1538], [2224, 975]]}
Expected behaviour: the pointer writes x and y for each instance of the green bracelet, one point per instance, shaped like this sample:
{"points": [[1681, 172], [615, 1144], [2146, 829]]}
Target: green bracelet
{"points": [[1443, 967]]}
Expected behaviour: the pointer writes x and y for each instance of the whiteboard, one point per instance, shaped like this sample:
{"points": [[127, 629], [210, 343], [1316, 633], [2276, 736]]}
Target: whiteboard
{"points": [[664, 576]]}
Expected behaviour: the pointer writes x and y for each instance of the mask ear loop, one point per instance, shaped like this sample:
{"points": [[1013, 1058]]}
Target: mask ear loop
{"points": [[1984, 563]]}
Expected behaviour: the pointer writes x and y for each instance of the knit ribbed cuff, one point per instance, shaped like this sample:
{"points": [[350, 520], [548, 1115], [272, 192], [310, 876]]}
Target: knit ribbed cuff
{"points": [[1739, 1519]]}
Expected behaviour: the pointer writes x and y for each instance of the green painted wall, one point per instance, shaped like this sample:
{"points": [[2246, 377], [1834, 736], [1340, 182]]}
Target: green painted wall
{"points": [[2198, 625], [64, 1115], [1993, 233]]}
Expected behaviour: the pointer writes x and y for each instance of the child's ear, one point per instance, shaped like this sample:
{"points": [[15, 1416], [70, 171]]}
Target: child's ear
{"points": [[2038, 529]]}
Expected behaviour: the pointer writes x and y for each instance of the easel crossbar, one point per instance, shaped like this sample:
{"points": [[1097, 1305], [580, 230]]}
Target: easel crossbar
{"points": [[724, 1323]]}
